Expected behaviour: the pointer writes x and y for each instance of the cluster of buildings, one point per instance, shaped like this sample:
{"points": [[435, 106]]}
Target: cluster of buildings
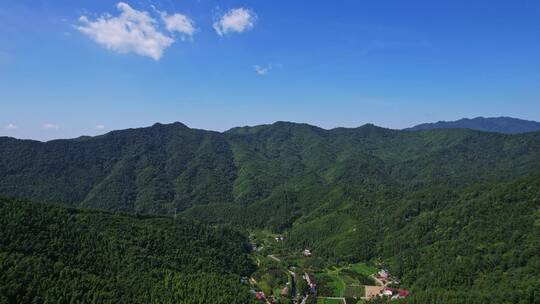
{"points": [[384, 278], [394, 293]]}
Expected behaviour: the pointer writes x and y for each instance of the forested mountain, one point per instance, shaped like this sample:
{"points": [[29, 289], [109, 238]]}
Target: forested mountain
{"points": [[446, 209], [505, 125], [51, 254], [167, 167], [478, 244], [154, 169]]}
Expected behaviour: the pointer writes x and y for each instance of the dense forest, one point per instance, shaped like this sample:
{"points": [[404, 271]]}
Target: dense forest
{"points": [[455, 213], [279, 171], [478, 245], [51, 254]]}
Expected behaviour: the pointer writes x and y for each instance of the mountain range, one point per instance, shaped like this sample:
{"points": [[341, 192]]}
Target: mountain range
{"points": [[171, 167], [445, 209], [505, 125]]}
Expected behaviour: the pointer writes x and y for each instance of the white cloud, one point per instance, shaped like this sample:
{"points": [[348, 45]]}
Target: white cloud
{"points": [[11, 127], [131, 31], [50, 126], [100, 127], [262, 70], [235, 20], [179, 23]]}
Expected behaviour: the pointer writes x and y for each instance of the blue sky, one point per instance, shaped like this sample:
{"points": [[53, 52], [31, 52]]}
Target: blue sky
{"points": [[394, 63]]}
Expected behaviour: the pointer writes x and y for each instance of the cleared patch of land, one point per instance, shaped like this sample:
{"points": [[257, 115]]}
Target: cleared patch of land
{"points": [[344, 281], [363, 268], [372, 291]]}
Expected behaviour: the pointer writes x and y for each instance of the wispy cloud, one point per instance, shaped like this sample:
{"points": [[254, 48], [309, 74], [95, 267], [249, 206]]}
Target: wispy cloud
{"points": [[11, 127], [260, 70], [51, 126], [134, 31], [236, 20], [99, 127]]}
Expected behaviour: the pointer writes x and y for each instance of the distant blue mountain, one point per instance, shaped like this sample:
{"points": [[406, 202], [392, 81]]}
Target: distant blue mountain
{"points": [[505, 125]]}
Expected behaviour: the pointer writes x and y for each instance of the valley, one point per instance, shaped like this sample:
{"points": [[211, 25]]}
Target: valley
{"points": [[302, 277]]}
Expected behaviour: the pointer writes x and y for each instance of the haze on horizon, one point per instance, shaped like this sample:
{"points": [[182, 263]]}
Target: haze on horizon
{"points": [[71, 68]]}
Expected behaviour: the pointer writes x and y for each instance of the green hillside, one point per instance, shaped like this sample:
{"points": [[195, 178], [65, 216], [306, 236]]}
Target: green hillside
{"points": [[445, 209], [52, 254], [154, 169], [478, 245], [286, 166]]}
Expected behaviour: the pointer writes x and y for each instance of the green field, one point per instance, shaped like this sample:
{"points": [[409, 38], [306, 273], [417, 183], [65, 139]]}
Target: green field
{"points": [[353, 291], [336, 301], [343, 281], [329, 301], [363, 268], [330, 284]]}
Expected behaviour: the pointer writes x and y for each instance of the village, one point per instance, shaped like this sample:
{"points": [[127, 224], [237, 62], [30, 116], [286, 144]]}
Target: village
{"points": [[300, 277]]}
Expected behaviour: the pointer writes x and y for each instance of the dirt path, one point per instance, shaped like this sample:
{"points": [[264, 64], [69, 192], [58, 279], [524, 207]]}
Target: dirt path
{"points": [[379, 281]]}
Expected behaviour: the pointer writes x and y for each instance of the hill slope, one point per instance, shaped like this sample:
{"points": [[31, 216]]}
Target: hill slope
{"points": [[505, 125], [265, 176], [155, 169], [445, 209], [476, 245], [50, 254]]}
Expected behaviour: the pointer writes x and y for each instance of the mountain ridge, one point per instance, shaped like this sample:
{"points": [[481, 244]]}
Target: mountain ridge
{"points": [[184, 162], [515, 125], [502, 124]]}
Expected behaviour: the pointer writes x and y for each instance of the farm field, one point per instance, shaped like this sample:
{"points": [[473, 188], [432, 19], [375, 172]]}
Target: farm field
{"points": [[363, 268], [344, 281], [337, 301], [329, 301]]}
